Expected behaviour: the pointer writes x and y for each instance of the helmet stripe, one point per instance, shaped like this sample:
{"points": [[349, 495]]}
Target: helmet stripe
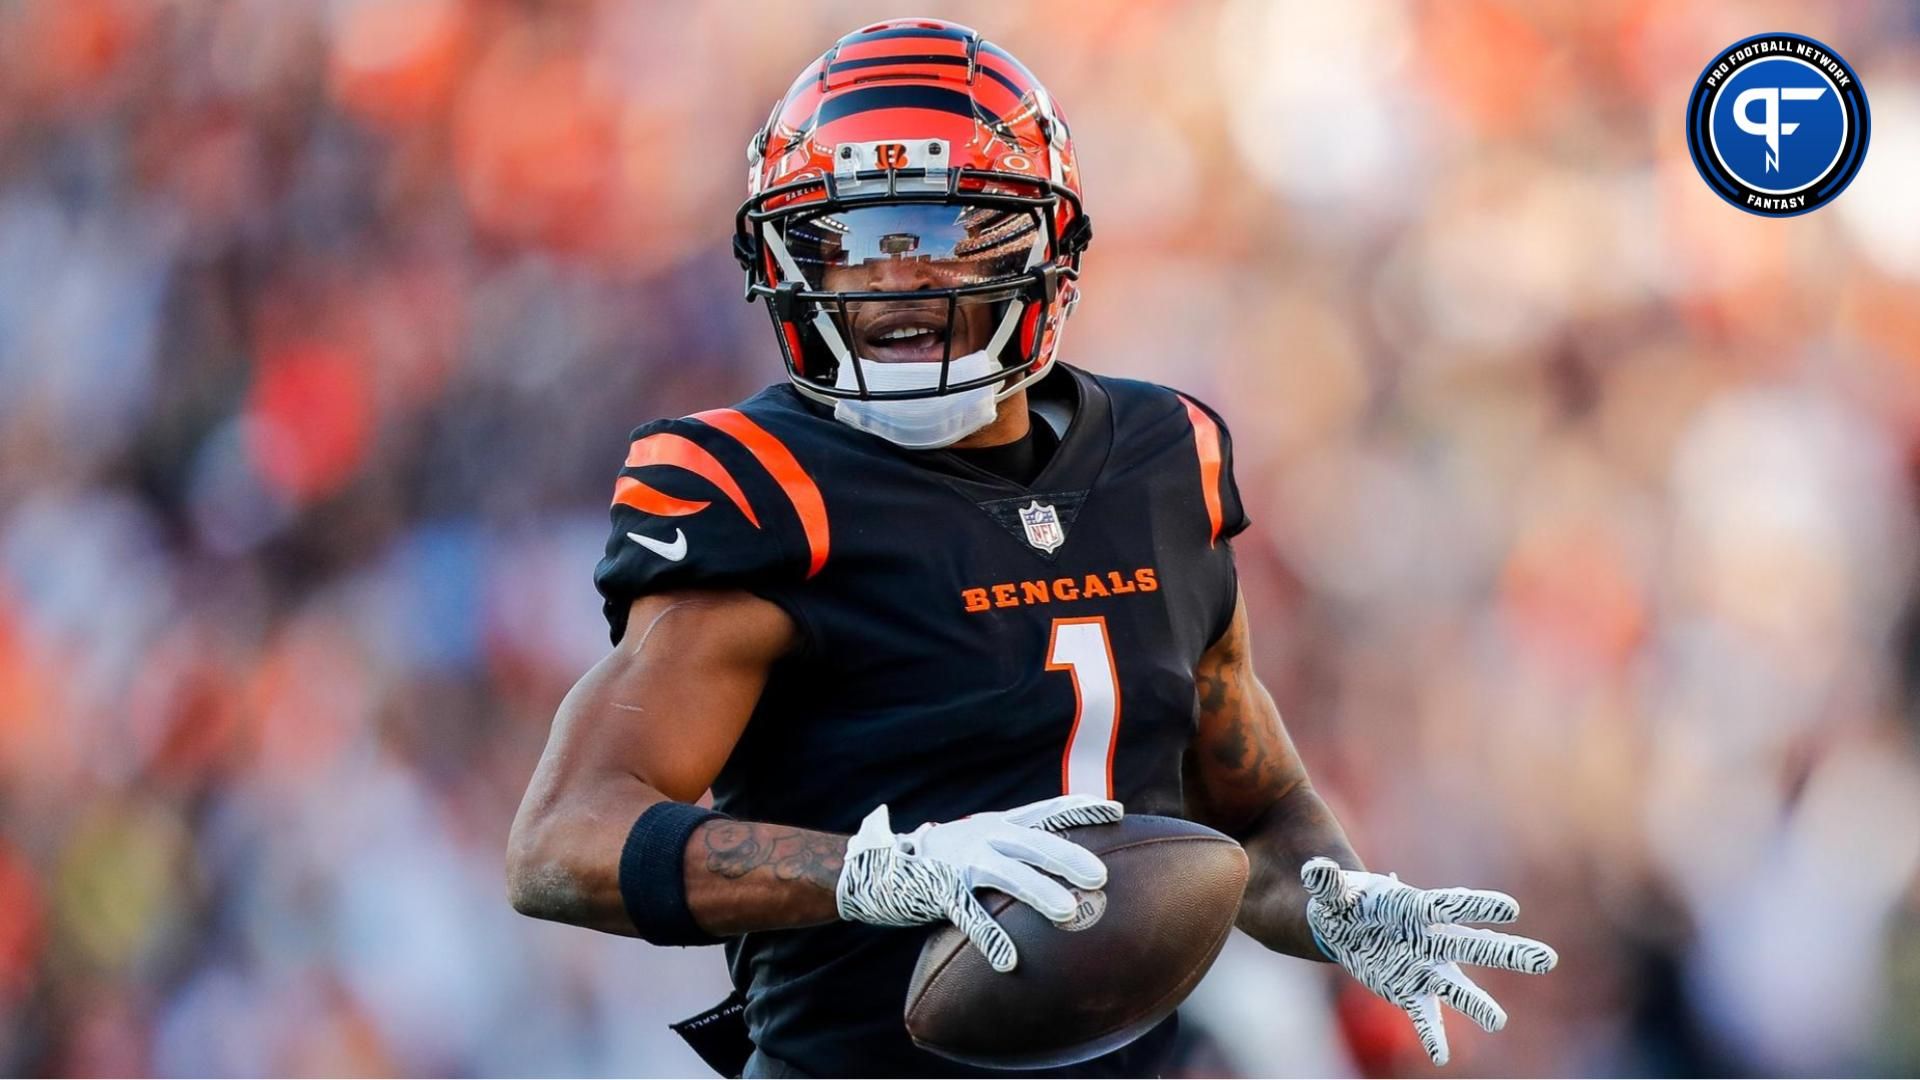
{"points": [[874, 124], [871, 98], [994, 96], [906, 32], [905, 58], [863, 50], [991, 73]]}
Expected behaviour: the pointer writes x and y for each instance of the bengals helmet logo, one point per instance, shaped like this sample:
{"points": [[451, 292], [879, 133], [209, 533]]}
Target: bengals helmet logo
{"points": [[891, 155]]}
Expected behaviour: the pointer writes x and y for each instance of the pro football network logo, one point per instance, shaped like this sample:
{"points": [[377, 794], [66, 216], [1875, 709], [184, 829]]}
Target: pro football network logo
{"points": [[1778, 124]]}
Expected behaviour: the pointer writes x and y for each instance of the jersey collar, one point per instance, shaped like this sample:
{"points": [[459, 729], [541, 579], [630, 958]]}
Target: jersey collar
{"points": [[1076, 462]]}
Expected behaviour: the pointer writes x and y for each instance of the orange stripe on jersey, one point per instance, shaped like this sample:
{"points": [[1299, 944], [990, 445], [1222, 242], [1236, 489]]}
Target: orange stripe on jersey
{"points": [[779, 462], [1206, 442], [666, 448], [630, 492]]}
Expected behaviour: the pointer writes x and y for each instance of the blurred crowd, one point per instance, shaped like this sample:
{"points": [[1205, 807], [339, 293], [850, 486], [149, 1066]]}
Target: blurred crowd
{"points": [[1583, 563]]}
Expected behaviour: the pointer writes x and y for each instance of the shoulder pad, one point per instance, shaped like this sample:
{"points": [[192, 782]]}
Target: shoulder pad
{"points": [[1213, 449], [709, 501], [1182, 424]]}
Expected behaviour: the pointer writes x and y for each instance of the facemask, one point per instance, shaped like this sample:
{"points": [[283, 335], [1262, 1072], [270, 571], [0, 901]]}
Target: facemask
{"points": [[919, 423]]}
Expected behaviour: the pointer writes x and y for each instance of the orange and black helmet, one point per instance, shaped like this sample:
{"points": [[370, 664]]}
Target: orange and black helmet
{"points": [[973, 163]]}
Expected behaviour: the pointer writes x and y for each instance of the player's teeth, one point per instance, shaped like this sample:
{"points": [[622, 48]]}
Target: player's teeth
{"points": [[903, 332]]}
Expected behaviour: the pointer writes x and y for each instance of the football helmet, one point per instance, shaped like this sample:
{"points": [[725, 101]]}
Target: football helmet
{"points": [[913, 157]]}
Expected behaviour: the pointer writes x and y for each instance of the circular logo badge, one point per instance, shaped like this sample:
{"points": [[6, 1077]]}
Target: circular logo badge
{"points": [[1778, 124], [1087, 910]]}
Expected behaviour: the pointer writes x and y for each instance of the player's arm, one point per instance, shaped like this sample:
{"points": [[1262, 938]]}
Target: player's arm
{"points": [[645, 732], [654, 721], [1307, 893], [1245, 778]]}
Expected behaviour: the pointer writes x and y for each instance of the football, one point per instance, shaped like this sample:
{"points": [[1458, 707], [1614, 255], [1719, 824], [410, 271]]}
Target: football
{"points": [[1130, 955]]}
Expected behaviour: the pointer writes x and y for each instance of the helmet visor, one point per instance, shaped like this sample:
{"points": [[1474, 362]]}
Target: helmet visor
{"points": [[907, 247]]}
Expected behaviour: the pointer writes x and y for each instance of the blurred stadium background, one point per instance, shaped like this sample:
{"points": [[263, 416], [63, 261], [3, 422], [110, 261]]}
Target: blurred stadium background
{"points": [[1583, 567]]}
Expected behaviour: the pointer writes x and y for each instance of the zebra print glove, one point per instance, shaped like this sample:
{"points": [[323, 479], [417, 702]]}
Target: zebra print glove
{"points": [[928, 875], [1405, 944]]}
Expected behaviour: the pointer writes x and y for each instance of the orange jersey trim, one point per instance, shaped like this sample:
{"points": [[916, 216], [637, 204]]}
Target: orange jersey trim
{"points": [[630, 492], [1206, 443], [785, 469], [666, 448]]}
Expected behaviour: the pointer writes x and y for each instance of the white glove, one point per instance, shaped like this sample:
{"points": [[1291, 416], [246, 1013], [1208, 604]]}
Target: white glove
{"points": [[929, 875], [1403, 943]]}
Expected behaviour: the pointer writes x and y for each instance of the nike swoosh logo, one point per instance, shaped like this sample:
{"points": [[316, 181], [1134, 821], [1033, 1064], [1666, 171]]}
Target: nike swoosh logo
{"points": [[671, 550]]}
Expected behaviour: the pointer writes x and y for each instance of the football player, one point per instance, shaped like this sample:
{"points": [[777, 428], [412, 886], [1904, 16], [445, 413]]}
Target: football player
{"points": [[927, 601]]}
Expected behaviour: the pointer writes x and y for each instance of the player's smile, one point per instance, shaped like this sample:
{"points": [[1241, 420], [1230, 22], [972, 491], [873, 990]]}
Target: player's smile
{"points": [[900, 333], [896, 332], [909, 331]]}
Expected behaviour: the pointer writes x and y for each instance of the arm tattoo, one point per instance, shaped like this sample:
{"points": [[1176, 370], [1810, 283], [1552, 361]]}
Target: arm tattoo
{"points": [[1211, 685], [744, 876], [1247, 780], [735, 849], [1246, 762]]}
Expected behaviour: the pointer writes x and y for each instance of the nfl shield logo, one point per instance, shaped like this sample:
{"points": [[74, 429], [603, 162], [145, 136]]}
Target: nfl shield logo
{"points": [[1043, 526]]}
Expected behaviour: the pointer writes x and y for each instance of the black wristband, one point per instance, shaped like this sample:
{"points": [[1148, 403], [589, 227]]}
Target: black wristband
{"points": [[653, 876]]}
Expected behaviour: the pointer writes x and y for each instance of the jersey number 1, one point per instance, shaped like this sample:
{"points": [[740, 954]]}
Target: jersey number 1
{"points": [[1080, 648]]}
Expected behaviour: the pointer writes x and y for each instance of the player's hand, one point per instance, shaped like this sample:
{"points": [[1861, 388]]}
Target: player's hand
{"points": [[1406, 944], [929, 875]]}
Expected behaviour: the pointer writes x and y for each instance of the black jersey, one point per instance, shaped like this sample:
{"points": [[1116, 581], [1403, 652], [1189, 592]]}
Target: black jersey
{"points": [[969, 643]]}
